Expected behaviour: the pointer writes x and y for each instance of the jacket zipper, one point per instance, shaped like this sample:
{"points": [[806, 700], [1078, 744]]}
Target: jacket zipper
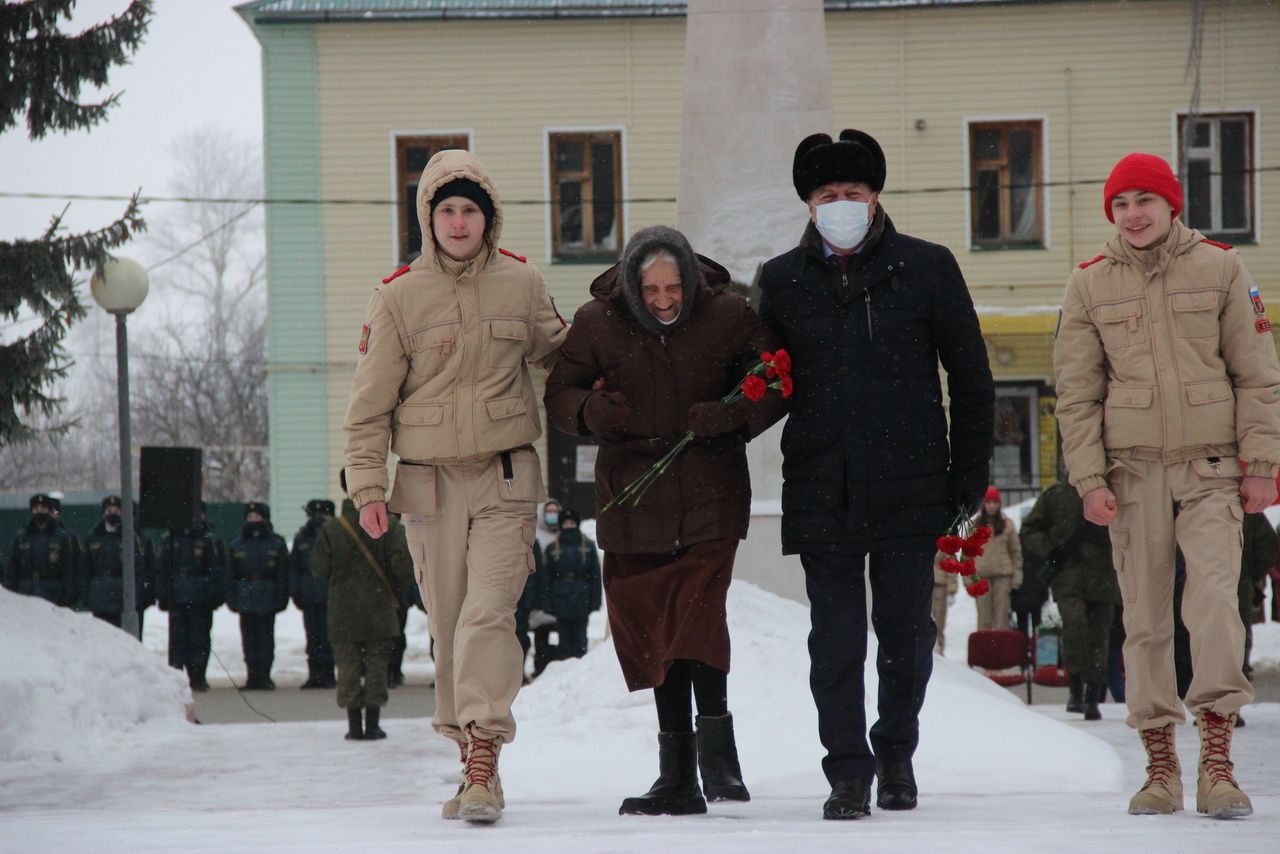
{"points": [[867, 299]]}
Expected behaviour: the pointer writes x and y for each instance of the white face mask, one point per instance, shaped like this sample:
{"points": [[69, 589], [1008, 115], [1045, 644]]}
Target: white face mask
{"points": [[666, 322], [844, 223]]}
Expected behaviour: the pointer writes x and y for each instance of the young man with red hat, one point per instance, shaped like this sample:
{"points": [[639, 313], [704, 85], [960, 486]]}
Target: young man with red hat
{"points": [[1167, 373], [871, 467]]}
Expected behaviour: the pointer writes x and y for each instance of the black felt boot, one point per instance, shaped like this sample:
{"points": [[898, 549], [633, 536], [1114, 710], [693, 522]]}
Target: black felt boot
{"points": [[372, 731], [676, 790], [718, 760], [355, 725], [1075, 699]]}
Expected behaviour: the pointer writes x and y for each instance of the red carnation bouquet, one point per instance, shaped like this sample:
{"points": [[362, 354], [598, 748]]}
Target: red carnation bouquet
{"points": [[961, 548], [773, 371]]}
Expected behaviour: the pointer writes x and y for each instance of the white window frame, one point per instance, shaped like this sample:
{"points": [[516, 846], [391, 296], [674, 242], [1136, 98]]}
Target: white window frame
{"points": [[967, 166], [394, 178], [1256, 154], [624, 229]]}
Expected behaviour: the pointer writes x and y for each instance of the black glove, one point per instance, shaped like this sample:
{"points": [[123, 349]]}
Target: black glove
{"points": [[713, 418], [1050, 567], [605, 411]]}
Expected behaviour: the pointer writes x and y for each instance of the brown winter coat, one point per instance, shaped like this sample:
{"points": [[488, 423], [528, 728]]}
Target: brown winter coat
{"points": [[443, 369], [1161, 356], [706, 494]]}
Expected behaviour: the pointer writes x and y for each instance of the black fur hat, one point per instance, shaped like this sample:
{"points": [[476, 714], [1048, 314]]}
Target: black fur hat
{"points": [[856, 157]]}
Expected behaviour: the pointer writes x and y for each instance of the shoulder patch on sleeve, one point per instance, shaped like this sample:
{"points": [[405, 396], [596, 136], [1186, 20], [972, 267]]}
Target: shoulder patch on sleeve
{"points": [[1222, 246], [396, 274], [1091, 261], [364, 340], [510, 254]]}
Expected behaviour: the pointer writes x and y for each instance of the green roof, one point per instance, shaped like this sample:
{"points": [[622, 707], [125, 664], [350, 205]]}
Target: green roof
{"points": [[264, 11]]}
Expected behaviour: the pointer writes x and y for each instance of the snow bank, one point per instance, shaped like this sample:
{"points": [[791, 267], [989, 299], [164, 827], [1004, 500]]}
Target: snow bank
{"points": [[70, 682], [586, 734]]}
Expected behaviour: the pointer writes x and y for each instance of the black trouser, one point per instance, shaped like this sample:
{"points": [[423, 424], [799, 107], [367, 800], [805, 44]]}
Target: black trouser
{"points": [[189, 629], [573, 637], [315, 619], [901, 606], [258, 639], [543, 652], [395, 664]]}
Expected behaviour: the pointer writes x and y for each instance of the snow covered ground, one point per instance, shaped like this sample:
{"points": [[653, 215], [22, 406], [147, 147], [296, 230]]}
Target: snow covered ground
{"points": [[127, 772]]}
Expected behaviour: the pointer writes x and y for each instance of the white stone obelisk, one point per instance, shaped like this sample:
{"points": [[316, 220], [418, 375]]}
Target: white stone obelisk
{"points": [[755, 83]]}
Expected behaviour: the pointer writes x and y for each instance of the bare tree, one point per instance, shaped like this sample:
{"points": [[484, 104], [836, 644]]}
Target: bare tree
{"points": [[201, 379]]}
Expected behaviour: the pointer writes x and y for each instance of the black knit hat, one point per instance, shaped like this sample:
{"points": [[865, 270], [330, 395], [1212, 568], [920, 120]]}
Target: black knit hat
{"points": [[319, 505], [112, 501], [260, 507], [568, 514], [468, 189], [856, 157]]}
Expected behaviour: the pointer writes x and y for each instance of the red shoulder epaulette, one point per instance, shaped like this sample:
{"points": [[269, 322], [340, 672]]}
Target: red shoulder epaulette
{"points": [[396, 274], [510, 254], [1216, 243], [1091, 262]]}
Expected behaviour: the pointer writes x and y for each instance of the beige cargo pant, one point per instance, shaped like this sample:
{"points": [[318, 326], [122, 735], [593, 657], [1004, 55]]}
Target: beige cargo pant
{"points": [[471, 532], [1197, 505]]}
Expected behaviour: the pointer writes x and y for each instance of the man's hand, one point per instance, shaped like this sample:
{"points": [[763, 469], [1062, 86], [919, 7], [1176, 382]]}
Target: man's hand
{"points": [[1100, 505], [1258, 493], [373, 518]]}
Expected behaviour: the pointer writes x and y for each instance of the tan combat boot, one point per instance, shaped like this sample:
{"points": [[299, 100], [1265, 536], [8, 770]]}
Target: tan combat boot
{"points": [[481, 801], [451, 806], [1162, 793], [1217, 793]]}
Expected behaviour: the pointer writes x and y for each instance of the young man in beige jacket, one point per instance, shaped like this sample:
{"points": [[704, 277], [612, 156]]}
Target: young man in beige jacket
{"points": [[443, 377], [1167, 373]]}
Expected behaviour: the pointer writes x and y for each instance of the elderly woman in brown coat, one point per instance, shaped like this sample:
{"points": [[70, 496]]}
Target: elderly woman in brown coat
{"points": [[645, 361]]}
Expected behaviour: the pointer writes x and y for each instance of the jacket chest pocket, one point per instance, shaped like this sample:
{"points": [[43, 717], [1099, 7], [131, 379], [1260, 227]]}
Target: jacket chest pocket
{"points": [[505, 343], [1195, 315], [1120, 324], [430, 349]]}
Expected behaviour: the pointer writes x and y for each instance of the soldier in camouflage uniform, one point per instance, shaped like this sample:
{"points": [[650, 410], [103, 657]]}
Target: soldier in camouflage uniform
{"points": [[366, 580]]}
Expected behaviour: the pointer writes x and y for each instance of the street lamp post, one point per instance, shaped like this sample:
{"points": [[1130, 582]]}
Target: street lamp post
{"points": [[120, 286]]}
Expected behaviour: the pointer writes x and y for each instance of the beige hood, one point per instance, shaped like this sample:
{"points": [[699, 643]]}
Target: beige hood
{"points": [[446, 166]]}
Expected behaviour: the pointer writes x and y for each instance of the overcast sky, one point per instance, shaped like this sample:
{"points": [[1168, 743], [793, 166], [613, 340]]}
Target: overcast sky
{"points": [[199, 65]]}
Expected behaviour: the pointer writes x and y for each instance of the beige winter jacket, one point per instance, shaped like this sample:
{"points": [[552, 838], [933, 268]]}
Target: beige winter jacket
{"points": [[1002, 556], [443, 369], [1161, 355]]}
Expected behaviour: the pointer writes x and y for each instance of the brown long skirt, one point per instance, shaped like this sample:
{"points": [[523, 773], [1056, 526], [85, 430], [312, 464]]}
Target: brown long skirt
{"points": [[668, 606]]}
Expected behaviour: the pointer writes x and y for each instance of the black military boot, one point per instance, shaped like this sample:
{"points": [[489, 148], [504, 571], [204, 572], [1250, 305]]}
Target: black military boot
{"points": [[1092, 697], [313, 680], [1075, 701], [718, 760], [373, 732], [849, 799], [676, 790], [355, 725], [196, 679], [895, 785]]}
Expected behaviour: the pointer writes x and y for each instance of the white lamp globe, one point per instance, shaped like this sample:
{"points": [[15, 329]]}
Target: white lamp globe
{"points": [[119, 285]]}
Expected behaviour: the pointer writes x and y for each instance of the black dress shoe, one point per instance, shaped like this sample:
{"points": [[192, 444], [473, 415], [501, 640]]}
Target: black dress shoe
{"points": [[849, 799], [895, 785]]}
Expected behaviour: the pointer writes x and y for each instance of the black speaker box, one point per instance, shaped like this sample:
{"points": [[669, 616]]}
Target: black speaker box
{"points": [[171, 487]]}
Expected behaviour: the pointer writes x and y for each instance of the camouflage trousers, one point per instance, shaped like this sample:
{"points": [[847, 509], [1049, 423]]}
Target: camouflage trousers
{"points": [[362, 672]]}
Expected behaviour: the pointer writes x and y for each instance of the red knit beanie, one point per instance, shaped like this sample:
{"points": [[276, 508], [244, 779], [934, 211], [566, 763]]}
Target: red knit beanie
{"points": [[993, 494], [1142, 172]]}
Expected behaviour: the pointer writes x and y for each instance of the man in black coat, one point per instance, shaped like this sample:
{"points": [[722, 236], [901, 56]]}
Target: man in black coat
{"points": [[257, 588], [869, 467], [311, 595], [42, 558], [189, 579], [102, 587]]}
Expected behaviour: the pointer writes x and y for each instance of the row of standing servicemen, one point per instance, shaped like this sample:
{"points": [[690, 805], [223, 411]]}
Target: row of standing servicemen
{"points": [[190, 574]]}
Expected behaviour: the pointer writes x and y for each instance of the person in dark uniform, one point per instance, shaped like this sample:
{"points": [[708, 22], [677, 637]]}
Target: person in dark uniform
{"points": [[189, 578], [257, 588], [77, 548], [102, 590], [571, 588], [42, 557], [311, 595]]}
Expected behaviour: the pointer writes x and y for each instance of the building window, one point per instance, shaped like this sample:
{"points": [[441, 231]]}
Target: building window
{"points": [[412, 154], [1006, 206], [586, 195], [1216, 153]]}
